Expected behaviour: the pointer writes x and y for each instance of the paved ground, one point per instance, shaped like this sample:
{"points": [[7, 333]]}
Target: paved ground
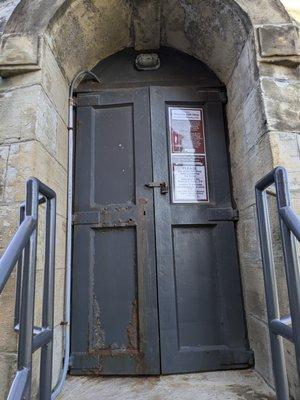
{"points": [[230, 385]]}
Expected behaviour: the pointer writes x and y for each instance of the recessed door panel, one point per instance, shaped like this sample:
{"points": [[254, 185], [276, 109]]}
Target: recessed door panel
{"points": [[114, 153], [115, 324], [196, 283]]}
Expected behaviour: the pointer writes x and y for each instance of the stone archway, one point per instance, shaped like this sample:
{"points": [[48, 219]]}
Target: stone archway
{"points": [[252, 46]]}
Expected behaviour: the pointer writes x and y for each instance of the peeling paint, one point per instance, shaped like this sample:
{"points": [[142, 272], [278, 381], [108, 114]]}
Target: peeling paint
{"points": [[98, 335], [132, 328]]}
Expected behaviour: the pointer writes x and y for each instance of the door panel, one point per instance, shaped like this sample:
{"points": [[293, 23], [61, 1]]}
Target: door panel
{"points": [[119, 147], [119, 285], [196, 285], [114, 312], [200, 308]]}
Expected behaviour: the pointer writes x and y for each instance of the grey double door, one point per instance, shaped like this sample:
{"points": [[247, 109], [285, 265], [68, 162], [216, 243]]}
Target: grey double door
{"points": [[155, 277]]}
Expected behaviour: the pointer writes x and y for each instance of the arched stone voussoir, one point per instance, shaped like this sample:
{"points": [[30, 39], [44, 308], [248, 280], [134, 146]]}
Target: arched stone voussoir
{"points": [[22, 24], [32, 17], [82, 32], [27, 16], [214, 31]]}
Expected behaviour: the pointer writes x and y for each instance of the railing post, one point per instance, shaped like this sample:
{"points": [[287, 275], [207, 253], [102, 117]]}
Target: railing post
{"points": [[28, 288], [23, 250], [48, 300], [19, 274], [291, 263], [278, 360]]}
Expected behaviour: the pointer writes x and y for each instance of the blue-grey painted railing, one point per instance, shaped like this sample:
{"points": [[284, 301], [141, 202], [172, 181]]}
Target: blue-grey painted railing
{"points": [[286, 327], [23, 250]]}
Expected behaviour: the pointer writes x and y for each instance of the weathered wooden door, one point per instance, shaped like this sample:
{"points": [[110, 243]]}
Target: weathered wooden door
{"points": [[200, 301], [114, 309], [154, 236]]}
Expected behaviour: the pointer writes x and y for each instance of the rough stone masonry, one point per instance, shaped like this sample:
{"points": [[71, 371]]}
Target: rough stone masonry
{"points": [[253, 47]]}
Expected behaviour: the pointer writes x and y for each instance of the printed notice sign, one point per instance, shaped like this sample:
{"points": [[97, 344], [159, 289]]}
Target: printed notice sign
{"points": [[186, 114], [188, 155], [187, 133], [190, 183]]}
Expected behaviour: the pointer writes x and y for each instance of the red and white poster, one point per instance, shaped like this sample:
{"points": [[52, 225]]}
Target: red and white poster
{"points": [[188, 155]]}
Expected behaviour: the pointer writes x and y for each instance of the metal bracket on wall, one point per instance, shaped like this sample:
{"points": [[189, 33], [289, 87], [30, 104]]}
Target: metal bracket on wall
{"points": [[214, 94], [223, 214], [223, 96]]}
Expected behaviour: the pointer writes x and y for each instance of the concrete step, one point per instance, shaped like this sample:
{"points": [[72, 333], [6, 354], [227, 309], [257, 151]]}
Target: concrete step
{"points": [[229, 385]]}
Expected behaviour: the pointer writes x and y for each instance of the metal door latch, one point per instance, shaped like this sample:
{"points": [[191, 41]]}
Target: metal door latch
{"points": [[162, 185]]}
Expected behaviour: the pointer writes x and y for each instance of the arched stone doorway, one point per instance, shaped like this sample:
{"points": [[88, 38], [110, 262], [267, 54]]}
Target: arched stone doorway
{"points": [[230, 37], [156, 285]]}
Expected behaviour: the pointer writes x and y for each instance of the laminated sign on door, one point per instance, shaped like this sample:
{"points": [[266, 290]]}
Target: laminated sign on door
{"points": [[188, 155]]}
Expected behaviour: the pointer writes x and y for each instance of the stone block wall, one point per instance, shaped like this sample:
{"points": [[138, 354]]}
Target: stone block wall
{"points": [[33, 142], [264, 126], [251, 158]]}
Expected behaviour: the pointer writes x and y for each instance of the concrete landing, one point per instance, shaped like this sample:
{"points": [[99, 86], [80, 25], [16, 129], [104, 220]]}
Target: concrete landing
{"points": [[229, 385]]}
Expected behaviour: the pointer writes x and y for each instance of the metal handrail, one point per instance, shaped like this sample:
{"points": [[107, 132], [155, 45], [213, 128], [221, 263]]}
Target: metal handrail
{"points": [[287, 327], [15, 249], [23, 250]]}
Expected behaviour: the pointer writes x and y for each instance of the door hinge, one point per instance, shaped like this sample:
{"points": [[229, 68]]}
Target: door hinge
{"points": [[223, 96], [71, 359], [223, 214], [235, 215]]}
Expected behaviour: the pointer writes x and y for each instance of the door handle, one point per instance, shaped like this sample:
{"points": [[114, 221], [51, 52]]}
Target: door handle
{"points": [[162, 185]]}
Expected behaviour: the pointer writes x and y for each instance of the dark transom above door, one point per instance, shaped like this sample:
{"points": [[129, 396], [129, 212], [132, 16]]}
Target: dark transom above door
{"points": [[156, 283]]}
